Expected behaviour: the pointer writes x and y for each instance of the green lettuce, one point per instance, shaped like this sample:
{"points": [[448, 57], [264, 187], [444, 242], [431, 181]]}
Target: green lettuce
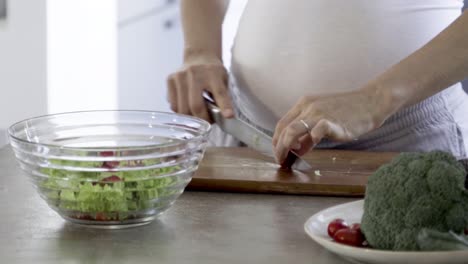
{"points": [[112, 193]]}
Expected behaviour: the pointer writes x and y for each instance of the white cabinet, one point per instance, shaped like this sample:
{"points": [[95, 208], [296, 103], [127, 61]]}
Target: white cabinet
{"points": [[132, 9], [149, 49]]}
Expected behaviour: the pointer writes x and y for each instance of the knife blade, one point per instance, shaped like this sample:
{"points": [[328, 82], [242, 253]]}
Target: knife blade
{"points": [[251, 136]]}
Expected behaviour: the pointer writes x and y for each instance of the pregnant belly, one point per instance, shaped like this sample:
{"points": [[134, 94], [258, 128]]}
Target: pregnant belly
{"points": [[287, 49]]}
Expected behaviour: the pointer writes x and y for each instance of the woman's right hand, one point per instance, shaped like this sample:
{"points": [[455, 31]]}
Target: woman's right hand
{"points": [[198, 74]]}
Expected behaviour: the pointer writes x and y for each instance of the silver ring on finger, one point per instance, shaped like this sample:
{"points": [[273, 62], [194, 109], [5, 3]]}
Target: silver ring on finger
{"points": [[306, 125]]}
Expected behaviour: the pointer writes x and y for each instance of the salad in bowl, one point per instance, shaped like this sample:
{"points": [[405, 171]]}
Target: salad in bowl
{"points": [[110, 169]]}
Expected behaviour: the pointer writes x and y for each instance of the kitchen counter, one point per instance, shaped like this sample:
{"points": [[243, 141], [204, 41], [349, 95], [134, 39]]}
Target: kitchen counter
{"points": [[201, 227]]}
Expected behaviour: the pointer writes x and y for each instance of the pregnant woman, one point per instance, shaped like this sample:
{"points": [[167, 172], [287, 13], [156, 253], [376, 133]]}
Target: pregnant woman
{"points": [[362, 74]]}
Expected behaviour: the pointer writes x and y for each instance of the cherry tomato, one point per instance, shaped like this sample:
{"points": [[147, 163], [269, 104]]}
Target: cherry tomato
{"points": [[335, 225], [108, 180], [110, 164], [112, 178], [106, 153], [350, 237], [356, 226], [101, 217], [83, 217]]}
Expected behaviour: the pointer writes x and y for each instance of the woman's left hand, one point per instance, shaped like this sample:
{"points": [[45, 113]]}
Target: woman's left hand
{"points": [[338, 117]]}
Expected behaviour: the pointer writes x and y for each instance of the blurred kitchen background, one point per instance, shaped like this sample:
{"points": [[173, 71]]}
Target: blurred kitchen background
{"points": [[73, 55], [70, 55]]}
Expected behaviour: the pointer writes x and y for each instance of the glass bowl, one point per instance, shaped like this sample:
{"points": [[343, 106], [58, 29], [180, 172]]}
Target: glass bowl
{"points": [[110, 169]]}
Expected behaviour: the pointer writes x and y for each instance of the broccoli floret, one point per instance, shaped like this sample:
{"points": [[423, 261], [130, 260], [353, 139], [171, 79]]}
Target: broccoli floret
{"points": [[414, 191]]}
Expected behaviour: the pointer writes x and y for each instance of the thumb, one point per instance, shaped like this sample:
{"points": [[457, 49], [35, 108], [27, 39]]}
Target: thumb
{"points": [[222, 98]]}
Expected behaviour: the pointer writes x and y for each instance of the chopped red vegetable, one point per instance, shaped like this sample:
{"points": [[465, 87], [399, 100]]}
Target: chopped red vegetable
{"points": [[336, 225], [351, 237]]}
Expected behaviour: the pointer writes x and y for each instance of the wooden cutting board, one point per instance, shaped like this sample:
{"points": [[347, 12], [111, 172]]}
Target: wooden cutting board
{"points": [[335, 172]]}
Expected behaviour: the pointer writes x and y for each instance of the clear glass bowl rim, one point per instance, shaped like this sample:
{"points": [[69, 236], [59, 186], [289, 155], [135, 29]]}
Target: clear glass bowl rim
{"points": [[205, 128]]}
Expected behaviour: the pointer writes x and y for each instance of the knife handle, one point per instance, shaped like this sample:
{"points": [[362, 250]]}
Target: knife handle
{"points": [[215, 114], [209, 98], [213, 109]]}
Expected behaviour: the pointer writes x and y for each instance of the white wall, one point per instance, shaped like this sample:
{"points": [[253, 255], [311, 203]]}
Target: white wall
{"points": [[22, 62], [81, 55], [150, 48], [57, 56]]}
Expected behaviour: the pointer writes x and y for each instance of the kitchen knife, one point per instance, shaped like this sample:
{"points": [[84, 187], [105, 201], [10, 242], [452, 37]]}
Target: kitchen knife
{"points": [[251, 136]]}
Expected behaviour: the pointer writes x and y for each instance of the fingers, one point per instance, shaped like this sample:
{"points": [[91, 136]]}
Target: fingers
{"points": [[289, 138], [185, 90], [182, 95], [325, 128], [296, 136], [197, 83], [319, 131], [305, 144], [221, 96], [172, 93], [285, 121], [338, 117], [197, 104]]}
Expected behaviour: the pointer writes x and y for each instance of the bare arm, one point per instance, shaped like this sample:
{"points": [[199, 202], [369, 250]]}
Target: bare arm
{"points": [[439, 64], [202, 24], [203, 68]]}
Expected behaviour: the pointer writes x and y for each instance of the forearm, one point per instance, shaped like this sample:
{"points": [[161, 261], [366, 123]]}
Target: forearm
{"points": [[202, 26], [439, 64]]}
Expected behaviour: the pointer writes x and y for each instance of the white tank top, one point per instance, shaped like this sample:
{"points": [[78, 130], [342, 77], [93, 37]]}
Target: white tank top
{"points": [[287, 49]]}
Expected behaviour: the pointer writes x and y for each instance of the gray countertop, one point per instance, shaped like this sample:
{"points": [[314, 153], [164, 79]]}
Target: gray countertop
{"points": [[200, 228]]}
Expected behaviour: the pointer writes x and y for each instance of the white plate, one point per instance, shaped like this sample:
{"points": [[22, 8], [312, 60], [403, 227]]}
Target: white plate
{"points": [[316, 228]]}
